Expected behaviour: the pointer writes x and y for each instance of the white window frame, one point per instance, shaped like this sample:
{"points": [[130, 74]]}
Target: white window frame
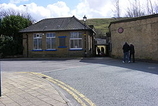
{"points": [[38, 37], [76, 37], [50, 36]]}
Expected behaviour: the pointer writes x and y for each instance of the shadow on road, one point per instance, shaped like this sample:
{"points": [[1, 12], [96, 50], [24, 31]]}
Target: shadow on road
{"points": [[36, 59], [137, 66]]}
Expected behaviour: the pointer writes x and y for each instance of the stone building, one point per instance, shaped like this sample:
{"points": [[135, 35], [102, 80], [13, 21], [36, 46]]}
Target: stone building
{"points": [[142, 32], [58, 37]]}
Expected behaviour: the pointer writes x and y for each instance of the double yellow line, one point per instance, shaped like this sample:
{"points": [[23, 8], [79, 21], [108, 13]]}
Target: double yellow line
{"points": [[77, 95]]}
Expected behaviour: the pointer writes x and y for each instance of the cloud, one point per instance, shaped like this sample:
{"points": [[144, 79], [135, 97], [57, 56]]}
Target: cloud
{"points": [[90, 8], [37, 12], [97, 4], [93, 8], [17, 1], [58, 9]]}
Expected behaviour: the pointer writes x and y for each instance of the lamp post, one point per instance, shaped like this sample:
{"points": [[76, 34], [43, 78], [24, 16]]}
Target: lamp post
{"points": [[26, 10], [84, 18], [85, 51], [25, 7]]}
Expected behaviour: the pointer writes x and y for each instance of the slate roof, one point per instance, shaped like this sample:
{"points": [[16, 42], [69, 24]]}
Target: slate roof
{"points": [[57, 24]]}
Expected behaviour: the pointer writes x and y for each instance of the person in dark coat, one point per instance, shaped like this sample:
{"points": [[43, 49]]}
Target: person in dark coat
{"points": [[98, 50], [126, 49], [102, 51], [132, 53]]}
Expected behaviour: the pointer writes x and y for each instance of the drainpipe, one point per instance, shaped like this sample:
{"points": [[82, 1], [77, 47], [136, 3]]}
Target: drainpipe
{"points": [[27, 45], [85, 37]]}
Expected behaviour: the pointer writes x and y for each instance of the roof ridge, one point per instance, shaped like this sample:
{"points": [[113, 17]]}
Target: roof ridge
{"points": [[70, 20], [56, 18], [32, 25], [57, 24], [87, 26]]}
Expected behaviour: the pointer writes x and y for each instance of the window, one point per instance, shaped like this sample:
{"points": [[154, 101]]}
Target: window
{"points": [[75, 41], [50, 40], [37, 40], [62, 42]]}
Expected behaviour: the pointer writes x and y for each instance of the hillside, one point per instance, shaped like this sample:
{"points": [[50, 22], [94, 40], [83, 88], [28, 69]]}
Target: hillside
{"points": [[100, 24]]}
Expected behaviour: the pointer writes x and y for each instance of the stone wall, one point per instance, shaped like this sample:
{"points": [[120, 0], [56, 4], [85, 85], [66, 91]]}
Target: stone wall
{"points": [[143, 33]]}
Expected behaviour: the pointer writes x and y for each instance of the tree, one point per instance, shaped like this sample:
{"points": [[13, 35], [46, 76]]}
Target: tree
{"points": [[10, 12], [100, 34], [156, 7], [8, 47], [150, 8], [117, 8], [135, 10], [10, 27]]}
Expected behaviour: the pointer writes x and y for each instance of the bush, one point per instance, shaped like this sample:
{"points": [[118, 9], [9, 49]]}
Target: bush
{"points": [[10, 47]]}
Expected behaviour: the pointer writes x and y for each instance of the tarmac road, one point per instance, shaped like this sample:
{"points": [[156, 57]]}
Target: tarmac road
{"points": [[38, 65], [105, 81]]}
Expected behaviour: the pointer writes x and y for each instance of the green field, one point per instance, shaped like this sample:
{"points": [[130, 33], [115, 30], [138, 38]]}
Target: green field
{"points": [[100, 24]]}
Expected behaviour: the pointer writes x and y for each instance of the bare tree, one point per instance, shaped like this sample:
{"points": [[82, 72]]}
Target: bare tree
{"points": [[155, 7], [117, 8], [9, 12], [150, 7], [135, 10]]}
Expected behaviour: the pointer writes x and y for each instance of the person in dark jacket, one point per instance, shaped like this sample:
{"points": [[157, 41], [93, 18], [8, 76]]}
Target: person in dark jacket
{"points": [[126, 49], [98, 50], [132, 53]]}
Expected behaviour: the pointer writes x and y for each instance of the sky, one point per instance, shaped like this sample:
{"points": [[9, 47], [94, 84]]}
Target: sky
{"points": [[40, 9]]}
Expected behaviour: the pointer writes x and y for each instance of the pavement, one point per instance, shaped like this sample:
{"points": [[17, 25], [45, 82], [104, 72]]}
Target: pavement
{"points": [[27, 89]]}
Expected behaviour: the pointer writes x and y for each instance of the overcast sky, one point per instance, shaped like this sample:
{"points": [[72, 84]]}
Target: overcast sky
{"points": [[40, 9]]}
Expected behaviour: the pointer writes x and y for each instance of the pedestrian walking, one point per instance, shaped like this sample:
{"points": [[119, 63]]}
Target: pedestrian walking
{"points": [[102, 51], [132, 53], [98, 50], [126, 49]]}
